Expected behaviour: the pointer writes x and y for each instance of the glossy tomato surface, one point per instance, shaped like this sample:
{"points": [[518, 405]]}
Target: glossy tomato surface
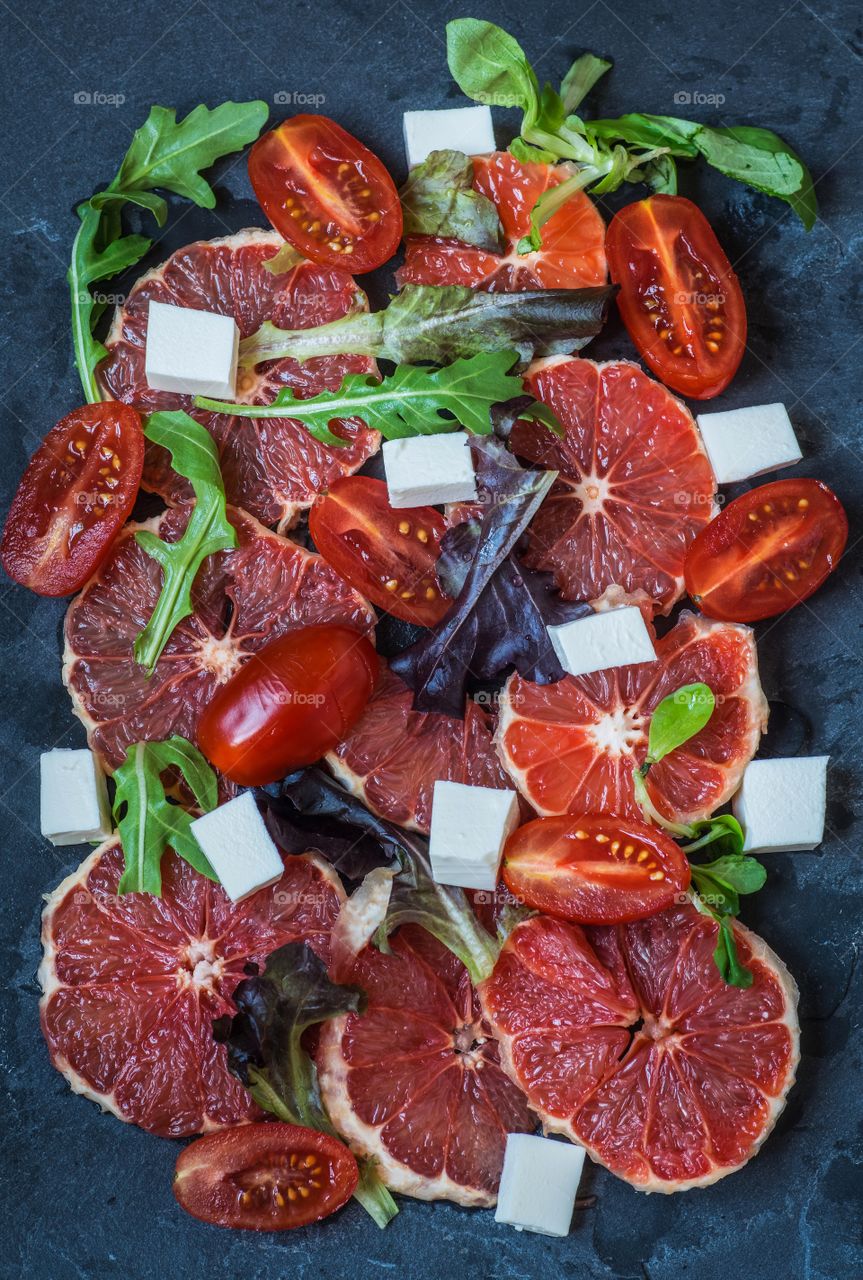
{"points": [[78, 490], [679, 297], [594, 869], [293, 701], [767, 551], [388, 555], [264, 1177], [327, 194]]}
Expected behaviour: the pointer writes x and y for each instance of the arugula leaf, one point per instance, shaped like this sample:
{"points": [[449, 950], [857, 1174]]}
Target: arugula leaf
{"points": [[148, 822], [163, 154], [501, 609], [584, 73], [193, 455], [412, 401], [265, 1052], [677, 719], [440, 323], [438, 199]]}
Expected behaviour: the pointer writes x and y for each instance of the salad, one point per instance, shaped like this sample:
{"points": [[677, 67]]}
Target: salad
{"points": [[423, 714]]}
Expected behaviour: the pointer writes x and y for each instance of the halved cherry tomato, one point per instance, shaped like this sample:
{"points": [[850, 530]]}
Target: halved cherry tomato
{"points": [[293, 700], [594, 869], [768, 550], [327, 194], [78, 490], [388, 555], [265, 1177], [679, 297]]}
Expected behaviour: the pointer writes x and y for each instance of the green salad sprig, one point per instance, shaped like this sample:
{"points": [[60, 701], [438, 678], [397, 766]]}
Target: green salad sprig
{"points": [[165, 155]]}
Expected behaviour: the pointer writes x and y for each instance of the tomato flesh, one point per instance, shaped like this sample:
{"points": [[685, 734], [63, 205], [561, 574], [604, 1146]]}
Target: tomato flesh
{"points": [[594, 869], [766, 551], [679, 297], [264, 1177], [388, 555], [293, 701], [78, 490], [327, 194]]}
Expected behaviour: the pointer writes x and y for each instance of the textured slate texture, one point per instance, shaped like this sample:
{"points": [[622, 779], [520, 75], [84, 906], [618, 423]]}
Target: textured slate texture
{"points": [[84, 1198]]}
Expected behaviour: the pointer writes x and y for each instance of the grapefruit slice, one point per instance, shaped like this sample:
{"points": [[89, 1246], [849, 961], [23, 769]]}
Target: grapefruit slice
{"points": [[415, 1081], [573, 239], [243, 599], [131, 984], [571, 747], [273, 468], [393, 756], [628, 1041], [634, 485]]}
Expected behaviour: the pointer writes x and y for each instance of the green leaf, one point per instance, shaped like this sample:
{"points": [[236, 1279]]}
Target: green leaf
{"points": [[413, 401], [526, 154], [723, 831], [677, 719], [193, 455], [539, 412], [438, 199], [759, 158], [580, 79], [548, 204], [444, 323], [726, 959], [489, 65], [648, 131], [284, 261], [163, 154], [660, 175], [148, 822]]}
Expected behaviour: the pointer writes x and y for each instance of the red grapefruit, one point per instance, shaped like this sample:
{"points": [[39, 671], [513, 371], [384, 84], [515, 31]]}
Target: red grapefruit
{"points": [[273, 468], [683, 1098], [393, 755], [634, 485], [415, 1081], [571, 747], [133, 983], [573, 239], [243, 599]]}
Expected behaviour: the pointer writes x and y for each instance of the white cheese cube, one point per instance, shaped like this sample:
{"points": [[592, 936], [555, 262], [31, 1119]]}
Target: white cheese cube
{"points": [[539, 1184], [191, 352], [467, 129], [237, 844], [469, 828], [747, 442], [74, 798], [781, 804], [616, 638], [423, 470]]}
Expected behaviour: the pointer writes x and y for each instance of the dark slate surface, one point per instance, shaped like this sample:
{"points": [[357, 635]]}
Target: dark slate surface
{"points": [[86, 1198]]}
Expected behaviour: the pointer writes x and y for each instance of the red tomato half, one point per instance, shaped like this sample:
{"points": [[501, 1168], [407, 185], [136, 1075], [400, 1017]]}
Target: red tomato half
{"points": [[293, 701], [767, 551], [78, 490], [327, 194], [679, 297], [264, 1177], [594, 869], [388, 555]]}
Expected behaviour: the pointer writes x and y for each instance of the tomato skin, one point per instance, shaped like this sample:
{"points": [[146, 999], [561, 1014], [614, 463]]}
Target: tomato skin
{"points": [[577, 868], [236, 1177], [676, 281], [369, 544], [289, 704], [77, 492], [737, 568], [327, 194]]}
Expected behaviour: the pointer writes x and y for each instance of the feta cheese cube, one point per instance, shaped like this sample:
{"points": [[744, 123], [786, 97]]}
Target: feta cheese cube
{"points": [[469, 828], [423, 470], [539, 1184], [615, 638], [74, 798], [191, 352], [747, 442], [467, 129], [781, 804], [236, 842]]}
